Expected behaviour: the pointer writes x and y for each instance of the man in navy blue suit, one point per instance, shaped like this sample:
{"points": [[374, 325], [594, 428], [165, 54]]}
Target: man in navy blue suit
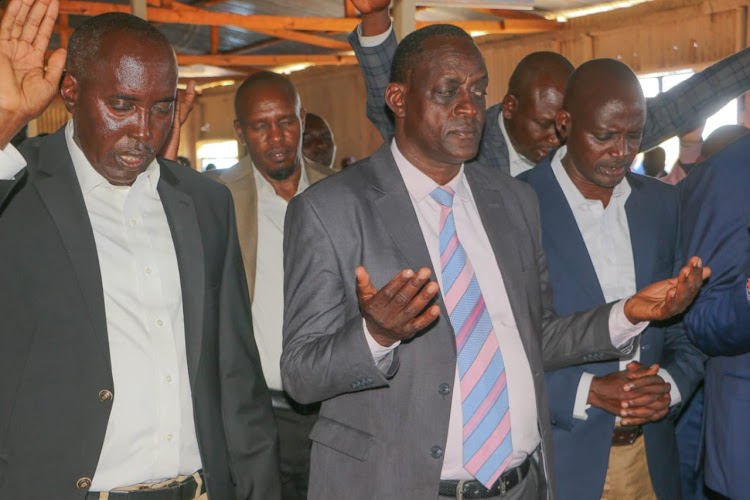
{"points": [[608, 232], [715, 215]]}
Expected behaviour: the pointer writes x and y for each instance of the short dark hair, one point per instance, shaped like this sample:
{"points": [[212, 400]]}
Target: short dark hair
{"points": [[411, 49], [262, 79], [85, 41]]}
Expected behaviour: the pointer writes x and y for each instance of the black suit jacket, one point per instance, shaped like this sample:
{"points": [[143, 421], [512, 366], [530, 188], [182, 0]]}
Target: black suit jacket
{"points": [[54, 351]]}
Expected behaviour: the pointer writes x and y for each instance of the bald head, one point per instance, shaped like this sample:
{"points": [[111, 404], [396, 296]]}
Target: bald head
{"points": [[602, 121], [261, 81], [535, 95]]}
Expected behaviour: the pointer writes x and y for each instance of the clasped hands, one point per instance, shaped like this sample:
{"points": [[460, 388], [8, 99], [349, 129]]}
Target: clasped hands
{"points": [[637, 394], [401, 308]]}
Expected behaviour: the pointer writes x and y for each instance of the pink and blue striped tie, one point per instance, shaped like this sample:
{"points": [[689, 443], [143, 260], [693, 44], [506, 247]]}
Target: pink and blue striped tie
{"points": [[486, 420]]}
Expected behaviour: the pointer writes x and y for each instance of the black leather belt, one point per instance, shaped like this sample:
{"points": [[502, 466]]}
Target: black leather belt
{"points": [[185, 490], [281, 400], [626, 435], [474, 489]]}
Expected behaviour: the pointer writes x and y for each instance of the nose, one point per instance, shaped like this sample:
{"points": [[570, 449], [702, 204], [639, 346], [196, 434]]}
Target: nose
{"points": [[141, 129], [274, 134], [620, 147], [465, 105]]}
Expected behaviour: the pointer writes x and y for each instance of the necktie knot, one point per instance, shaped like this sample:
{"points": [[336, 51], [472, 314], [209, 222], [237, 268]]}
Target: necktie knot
{"points": [[443, 195]]}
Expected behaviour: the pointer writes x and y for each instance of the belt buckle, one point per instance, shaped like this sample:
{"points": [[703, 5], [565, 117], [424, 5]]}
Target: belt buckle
{"points": [[503, 489]]}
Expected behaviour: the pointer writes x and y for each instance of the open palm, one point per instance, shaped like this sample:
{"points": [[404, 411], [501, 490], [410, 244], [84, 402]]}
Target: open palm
{"points": [[25, 87]]}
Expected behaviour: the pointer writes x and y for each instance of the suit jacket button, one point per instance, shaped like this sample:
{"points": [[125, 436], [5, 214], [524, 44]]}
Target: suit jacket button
{"points": [[444, 389], [105, 396], [436, 452], [83, 483]]}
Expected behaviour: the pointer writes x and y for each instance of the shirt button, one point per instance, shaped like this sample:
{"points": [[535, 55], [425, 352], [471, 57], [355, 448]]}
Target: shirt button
{"points": [[132, 222], [436, 452], [148, 270], [168, 379], [169, 437], [444, 389], [159, 322]]}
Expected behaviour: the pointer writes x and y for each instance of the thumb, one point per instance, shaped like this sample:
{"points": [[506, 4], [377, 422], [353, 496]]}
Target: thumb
{"points": [[365, 289]]}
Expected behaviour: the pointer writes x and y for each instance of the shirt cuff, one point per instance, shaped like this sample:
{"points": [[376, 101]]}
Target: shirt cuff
{"points": [[621, 330], [378, 351], [582, 396], [373, 41], [11, 162]]}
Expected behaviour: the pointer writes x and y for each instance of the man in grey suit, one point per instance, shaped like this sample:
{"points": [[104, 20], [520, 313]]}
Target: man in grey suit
{"points": [[128, 368], [520, 131], [387, 355], [269, 123]]}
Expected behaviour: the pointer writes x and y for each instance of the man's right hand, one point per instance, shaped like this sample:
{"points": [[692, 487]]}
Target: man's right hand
{"points": [[637, 394], [26, 89], [375, 17], [397, 311]]}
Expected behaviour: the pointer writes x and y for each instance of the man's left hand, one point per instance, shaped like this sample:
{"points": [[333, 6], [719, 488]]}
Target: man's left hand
{"points": [[667, 298]]}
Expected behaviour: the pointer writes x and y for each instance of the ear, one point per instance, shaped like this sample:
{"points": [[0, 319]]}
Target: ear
{"points": [[510, 106], [302, 116], [562, 123], [394, 98], [69, 90], [238, 132]]}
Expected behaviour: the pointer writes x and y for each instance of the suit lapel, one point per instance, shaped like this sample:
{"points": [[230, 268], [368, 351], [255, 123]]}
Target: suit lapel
{"points": [[564, 241], [60, 191], [643, 241], [183, 223], [391, 201]]}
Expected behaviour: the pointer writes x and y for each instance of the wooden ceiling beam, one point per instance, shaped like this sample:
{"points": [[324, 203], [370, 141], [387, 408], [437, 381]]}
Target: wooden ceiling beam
{"points": [[509, 14], [282, 26], [254, 46], [269, 60], [214, 39], [349, 9]]}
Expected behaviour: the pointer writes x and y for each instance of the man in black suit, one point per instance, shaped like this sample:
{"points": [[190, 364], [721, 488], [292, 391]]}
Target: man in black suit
{"points": [[127, 358]]}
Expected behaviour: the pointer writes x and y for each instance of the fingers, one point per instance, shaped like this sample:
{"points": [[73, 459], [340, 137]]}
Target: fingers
{"points": [[643, 382], [55, 67], [37, 14], [40, 37], [20, 19], [365, 290], [186, 101], [9, 19], [651, 413]]}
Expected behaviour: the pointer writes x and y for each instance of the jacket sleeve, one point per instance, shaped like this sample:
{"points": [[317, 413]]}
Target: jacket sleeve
{"points": [[375, 63], [325, 352], [249, 424], [688, 104]]}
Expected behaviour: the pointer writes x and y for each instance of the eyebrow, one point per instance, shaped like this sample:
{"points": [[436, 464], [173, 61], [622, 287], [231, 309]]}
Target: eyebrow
{"points": [[124, 97]]}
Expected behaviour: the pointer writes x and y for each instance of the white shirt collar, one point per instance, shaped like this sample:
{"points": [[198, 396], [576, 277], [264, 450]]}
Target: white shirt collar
{"points": [[518, 163], [89, 178], [420, 185]]}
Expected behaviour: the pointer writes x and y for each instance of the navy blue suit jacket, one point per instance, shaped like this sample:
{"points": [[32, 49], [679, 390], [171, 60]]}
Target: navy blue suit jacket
{"points": [[715, 215], [582, 447]]}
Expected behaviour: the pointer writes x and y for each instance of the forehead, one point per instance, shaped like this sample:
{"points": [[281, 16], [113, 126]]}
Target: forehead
{"points": [[268, 100], [543, 99], [133, 66], [617, 111], [449, 57]]}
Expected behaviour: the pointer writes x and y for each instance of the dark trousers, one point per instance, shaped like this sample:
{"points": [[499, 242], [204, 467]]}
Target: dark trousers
{"points": [[294, 439]]}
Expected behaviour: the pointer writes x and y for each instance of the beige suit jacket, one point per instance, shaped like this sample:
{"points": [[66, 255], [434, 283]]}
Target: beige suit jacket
{"points": [[241, 182]]}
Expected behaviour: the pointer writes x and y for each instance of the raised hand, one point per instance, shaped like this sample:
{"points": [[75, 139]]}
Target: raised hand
{"points": [[375, 17], [637, 394], [397, 311], [26, 88], [667, 298], [183, 107]]}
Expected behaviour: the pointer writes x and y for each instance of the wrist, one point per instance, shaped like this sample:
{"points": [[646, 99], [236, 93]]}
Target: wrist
{"points": [[629, 311]]}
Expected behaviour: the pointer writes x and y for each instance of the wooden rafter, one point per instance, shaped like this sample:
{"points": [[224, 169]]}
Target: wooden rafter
{"points": [[255, 46], [349, 9], [269, 60], [287, 25]]}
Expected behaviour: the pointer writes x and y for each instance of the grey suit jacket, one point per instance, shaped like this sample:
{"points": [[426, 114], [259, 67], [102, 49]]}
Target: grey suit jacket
{"points": [[382, 429], [241, 182], [54, 350], [679, 110]]}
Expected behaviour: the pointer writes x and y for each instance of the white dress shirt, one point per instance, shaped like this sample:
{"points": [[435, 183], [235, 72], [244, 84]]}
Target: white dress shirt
{"points": [[473, 237], [151, 432], [606, 233], [268, 301], [518, 163]]}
